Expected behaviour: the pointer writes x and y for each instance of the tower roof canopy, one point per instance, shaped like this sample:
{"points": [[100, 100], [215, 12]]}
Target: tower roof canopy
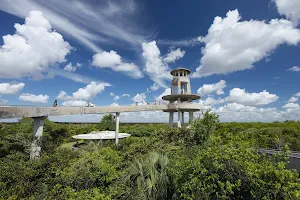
{"points": [[179, 70]]}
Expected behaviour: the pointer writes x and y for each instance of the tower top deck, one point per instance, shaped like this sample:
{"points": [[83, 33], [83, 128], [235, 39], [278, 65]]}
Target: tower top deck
{"points": [[180, 72]]}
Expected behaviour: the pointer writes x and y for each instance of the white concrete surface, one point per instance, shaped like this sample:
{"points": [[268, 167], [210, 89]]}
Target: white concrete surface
{"points": [[100, 135], [35, 149], [117, 128]]}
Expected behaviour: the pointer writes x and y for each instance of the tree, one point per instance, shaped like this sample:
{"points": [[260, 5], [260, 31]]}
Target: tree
{"points": [[150, 179], [107, 123]]}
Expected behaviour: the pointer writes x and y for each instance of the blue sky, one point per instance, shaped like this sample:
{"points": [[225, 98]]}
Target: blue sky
{"points": [[243, 55]]}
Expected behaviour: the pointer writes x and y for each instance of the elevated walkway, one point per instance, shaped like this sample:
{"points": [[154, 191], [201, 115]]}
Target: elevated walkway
{"points": [[18, 112], [294, 157]]}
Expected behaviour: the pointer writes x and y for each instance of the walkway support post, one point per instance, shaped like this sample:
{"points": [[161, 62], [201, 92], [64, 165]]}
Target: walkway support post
{"points": [[191, 116], [179, 121], [117, 128], [182, 118], [35, 149], [171, 115]]}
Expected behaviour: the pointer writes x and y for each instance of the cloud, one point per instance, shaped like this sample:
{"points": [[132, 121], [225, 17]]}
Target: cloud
{"points": [[167, 91], [233, 45], [297, 94], [209, 101], [10, 88], [107, 59], [240, 96], [154, 87], [293, 99], [86, 93], [114, 104], [71, 76], [77, 103], [113, 61], [217, 88], [116, 98], [174, 55], [125, 95], [34, 98], [70, 68], [289, 8], [183, 43], [88, 22], [294, 69], [111, 94], [63, 96], [291, 105], [139, 98], [157, 70], [90, 91], [32, 49]]}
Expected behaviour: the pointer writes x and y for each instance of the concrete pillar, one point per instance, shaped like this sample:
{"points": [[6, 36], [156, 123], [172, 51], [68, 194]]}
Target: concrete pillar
{"points": [[179, 121], [182, 118], [117, 128], [35, 149], [188, 89], [171, 115], [191, 116], [179, 87]]}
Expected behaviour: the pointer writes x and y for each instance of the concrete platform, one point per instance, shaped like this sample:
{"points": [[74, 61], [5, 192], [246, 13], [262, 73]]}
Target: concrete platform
{"points": [[19, 112], [183, 97]]}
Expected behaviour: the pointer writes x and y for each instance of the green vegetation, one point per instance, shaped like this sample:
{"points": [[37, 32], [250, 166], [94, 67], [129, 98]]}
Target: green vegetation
{"points": [[210, 160]]}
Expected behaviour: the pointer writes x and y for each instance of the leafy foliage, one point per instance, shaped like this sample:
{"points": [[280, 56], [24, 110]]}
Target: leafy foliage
{"points": [[209, 160]]}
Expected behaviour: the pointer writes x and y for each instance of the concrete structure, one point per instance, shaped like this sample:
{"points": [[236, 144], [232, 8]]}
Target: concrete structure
{"points": [[182, 95], [100, 135], [294, 157], [180, 101]]}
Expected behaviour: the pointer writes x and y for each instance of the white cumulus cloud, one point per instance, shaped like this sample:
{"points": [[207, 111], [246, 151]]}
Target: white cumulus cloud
{"points": [[32, 49], [291, 105], [289, 8], [10, 88], [34, 98], [76, 103], [174, 55], [217, 88], [297, 94], [139, 98], [157, 70], [72, 68], [63, 96], [113, 60], [90, 91], [233, 45], [240, 96], [293, 99]]}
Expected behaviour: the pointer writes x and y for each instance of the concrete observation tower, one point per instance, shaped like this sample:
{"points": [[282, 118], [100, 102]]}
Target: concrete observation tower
{"points": [[181, 97]]}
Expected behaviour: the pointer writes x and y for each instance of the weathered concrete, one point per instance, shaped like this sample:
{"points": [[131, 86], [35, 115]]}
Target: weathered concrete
{"points": [[171, 119], [35, 149], [18, 112], [117, 128], [179, 121], [191, 116]]}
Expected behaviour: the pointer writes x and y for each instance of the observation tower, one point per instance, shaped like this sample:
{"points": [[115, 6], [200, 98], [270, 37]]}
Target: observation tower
{"points": [[181, 97]]}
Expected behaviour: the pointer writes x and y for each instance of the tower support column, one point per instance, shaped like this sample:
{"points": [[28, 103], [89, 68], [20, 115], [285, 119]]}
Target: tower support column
{"points": [[182, 118], [35, 148], [179, 121], [171, 115], [191, 116], [117, 128]]}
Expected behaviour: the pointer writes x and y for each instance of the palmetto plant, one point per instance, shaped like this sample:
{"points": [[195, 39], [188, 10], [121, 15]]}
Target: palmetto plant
{"points": [[149, 178]]}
